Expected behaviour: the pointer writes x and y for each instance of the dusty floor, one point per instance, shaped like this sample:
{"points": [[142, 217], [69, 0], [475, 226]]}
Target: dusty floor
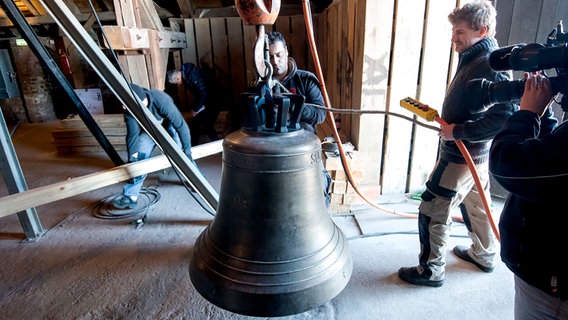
{"points": [[86, 267]]}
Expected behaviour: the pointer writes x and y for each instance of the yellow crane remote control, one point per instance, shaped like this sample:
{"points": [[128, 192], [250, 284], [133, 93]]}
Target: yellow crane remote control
{"points": [[418, 108]]}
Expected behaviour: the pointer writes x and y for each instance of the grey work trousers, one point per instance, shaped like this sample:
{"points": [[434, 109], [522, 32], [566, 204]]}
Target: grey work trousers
{"points": [[451, 185], [533, 304]]}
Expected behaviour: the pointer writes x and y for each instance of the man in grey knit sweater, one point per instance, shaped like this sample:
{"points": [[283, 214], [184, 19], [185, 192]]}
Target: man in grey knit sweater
{"points": [[451, 183]]}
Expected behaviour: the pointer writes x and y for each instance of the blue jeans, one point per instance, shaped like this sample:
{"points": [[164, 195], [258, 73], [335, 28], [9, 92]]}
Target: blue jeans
{"points": [[145, 148]]}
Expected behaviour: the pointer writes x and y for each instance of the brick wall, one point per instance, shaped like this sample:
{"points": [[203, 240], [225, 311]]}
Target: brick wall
{"points": [[36, 88]]}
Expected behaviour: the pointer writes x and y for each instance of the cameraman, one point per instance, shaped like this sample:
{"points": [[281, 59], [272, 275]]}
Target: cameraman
{"points": [[529, 158]]}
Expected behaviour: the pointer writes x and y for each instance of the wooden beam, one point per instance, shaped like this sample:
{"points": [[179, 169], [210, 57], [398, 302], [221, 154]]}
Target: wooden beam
{"points": [[131, 38], [32, 198]]}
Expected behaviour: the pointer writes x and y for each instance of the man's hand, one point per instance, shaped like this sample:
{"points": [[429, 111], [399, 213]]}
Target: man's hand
{"points": [[194, 113], [446, 132], [537, 94]]}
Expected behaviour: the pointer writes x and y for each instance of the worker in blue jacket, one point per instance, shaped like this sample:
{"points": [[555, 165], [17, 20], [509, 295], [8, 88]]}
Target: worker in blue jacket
{"points": [[140, 145]]}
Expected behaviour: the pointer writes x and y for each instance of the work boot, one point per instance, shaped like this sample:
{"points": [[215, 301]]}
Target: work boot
{"points": [[462, 253], [411, 275], [123, 202]]}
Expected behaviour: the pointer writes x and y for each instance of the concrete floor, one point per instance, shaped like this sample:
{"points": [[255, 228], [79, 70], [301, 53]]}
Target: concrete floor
{"points": [[85, 267]]}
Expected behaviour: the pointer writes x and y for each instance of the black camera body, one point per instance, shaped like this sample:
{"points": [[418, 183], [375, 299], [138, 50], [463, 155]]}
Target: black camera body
{"points": [[529, 58]]}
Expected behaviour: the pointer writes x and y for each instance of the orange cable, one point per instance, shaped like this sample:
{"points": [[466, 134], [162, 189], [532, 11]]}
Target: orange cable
{"points": [[476, 178], [345, 164]]}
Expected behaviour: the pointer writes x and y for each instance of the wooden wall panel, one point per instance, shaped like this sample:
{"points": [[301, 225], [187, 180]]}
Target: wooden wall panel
{"points": [[358, 24], [249, 37], [236, 57], [434, 70], [220, 46], [203, 42], [377, 33], [405, 63], [189, 54]]}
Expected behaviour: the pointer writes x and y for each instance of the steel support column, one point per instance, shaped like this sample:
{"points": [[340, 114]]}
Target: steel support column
{"points": [[117, 83], [16, 183], [48, 63]]}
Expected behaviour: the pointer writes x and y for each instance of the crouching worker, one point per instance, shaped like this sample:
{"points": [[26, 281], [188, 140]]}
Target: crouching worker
{"points": [[140, 145]]}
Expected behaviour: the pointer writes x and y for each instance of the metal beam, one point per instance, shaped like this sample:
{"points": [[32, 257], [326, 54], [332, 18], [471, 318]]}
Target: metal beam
{"points": [[15, 182], [50, 65], [118, 84]]}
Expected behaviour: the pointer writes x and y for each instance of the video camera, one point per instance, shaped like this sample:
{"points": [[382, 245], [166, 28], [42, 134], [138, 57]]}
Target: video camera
{"points": [[529, 58]]}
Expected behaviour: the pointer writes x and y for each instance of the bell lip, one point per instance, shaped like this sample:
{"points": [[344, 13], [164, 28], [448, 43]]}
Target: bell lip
{"points": [[270, 299]]}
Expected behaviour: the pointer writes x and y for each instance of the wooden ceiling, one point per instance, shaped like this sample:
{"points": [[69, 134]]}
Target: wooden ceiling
{"points": [[36, 15]]}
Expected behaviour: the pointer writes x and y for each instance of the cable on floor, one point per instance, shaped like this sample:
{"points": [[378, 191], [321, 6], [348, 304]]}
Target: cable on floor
{"points": [[148, 197]]}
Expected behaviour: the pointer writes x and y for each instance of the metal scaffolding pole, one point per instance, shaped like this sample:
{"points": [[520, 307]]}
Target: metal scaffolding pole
{"points": [[50, 65], [116, 82], [16, 183]]}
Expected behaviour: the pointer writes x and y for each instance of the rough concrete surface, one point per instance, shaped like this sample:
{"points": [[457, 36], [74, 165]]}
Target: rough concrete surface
{"points": [[86, 267]]}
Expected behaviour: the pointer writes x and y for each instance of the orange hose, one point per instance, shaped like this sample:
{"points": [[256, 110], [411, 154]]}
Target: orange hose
{"points": [[344, 163]]}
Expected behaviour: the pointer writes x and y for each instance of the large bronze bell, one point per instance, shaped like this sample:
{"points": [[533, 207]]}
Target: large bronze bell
{"points": [[272, 248]]}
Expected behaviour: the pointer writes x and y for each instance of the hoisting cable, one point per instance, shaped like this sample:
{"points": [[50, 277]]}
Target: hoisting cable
{"points": [[345, 163]]}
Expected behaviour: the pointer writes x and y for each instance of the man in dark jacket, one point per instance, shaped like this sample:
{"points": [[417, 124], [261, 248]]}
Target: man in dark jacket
{"points": [[296, 81], [451, 183], [208, 99], [303, 83], [529, 158], [140, 145]]}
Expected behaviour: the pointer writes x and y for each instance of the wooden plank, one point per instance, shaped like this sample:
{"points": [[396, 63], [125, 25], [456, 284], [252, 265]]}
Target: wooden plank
{"points": [[236, 57], [377, 20], [433, 83], [185, 8], [358, 66], [155, 62], [86, 141], [189, 54], [318, 36], [326, 57], [299, 41], [350, 74], [282, 25], [149, 17], [126, 38], [103, 120], [331, 74], [404, 73], [58, 191], [87, 149], [203, 42], [220, 47], [66, 134], [138, 70], [172, 40], [343, 61], [249, 37]]}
